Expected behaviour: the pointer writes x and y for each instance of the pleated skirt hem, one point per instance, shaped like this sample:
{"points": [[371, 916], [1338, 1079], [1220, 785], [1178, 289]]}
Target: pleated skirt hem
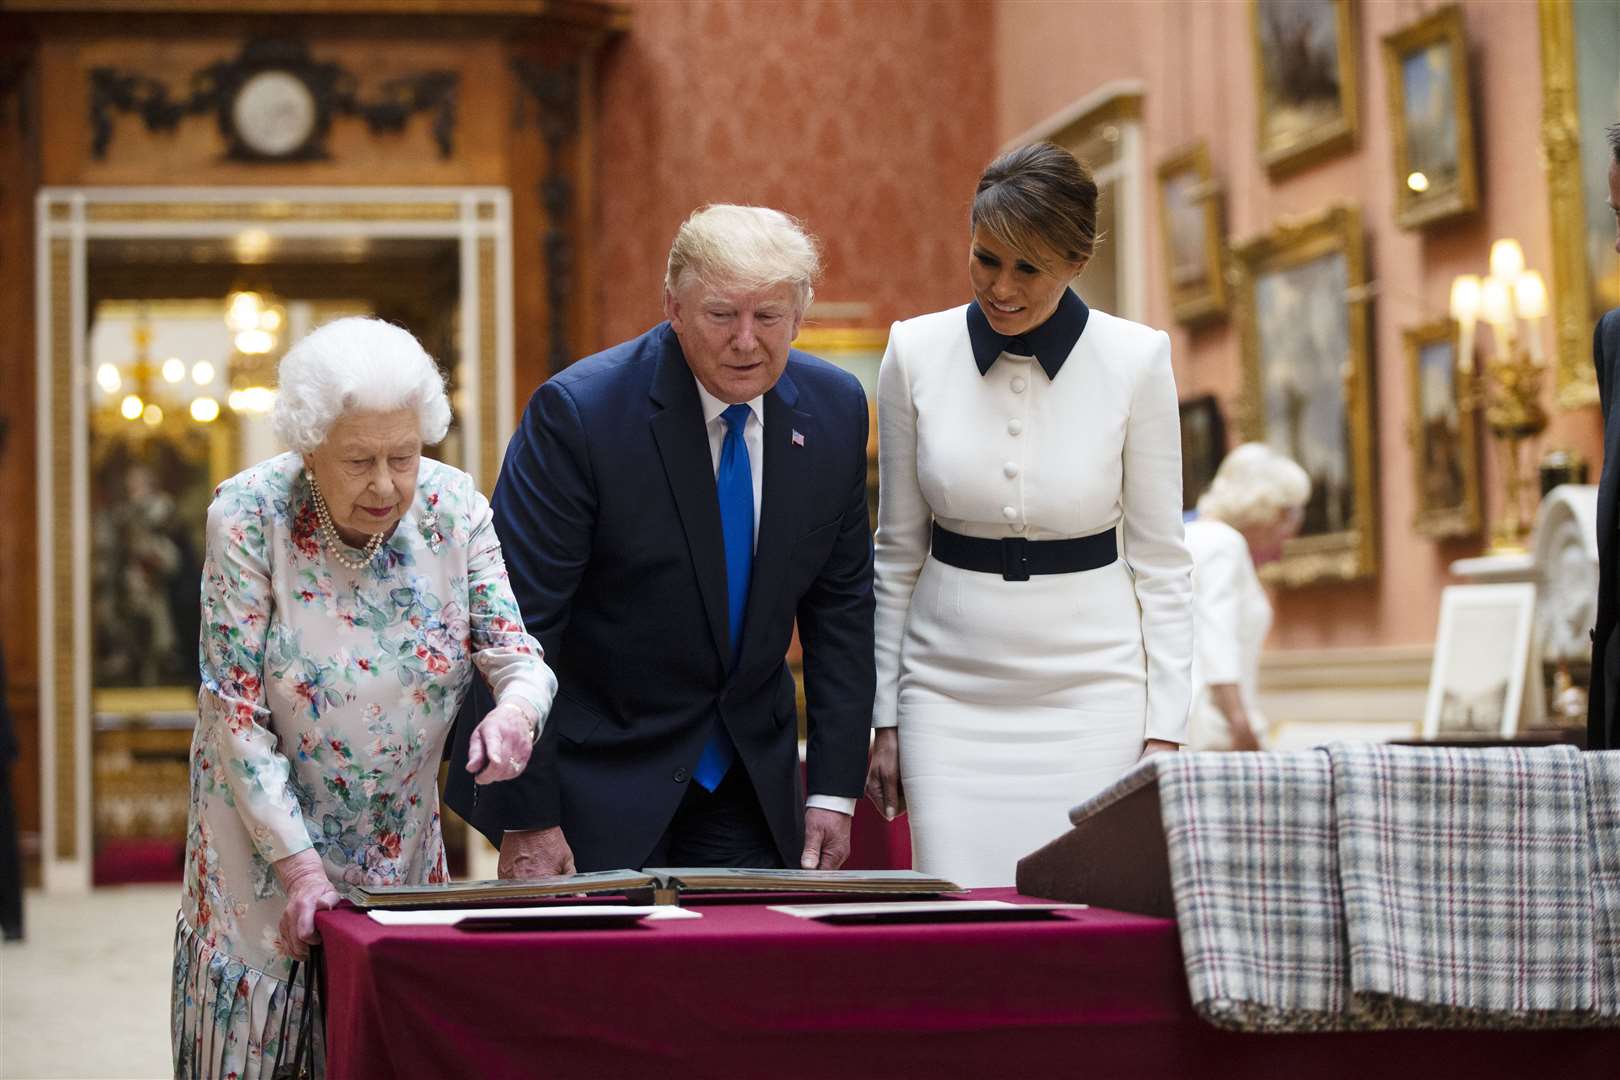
{"points": [[229, 1021]]}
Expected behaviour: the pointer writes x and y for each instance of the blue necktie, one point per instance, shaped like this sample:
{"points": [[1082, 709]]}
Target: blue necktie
{"points": [[734, 483]]}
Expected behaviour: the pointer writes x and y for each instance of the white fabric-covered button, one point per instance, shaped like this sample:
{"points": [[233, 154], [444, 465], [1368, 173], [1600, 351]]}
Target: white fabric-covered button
{"points": [[1018, 384], [1015, 427], [1009, 512], [1011, 469]]}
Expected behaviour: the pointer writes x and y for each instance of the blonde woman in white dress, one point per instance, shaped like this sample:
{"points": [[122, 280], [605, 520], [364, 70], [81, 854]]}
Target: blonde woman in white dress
{"points": [[1034, 620], [1255, 504]]}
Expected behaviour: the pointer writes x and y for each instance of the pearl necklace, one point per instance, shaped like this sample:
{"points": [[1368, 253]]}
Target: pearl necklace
{"points": [[334, 543]]}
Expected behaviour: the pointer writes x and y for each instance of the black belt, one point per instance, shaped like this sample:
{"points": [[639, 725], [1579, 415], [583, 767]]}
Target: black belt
{"points": [[1017, 559]]}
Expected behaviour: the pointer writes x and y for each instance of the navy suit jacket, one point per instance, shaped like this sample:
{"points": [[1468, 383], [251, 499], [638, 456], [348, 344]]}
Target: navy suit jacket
{"points": [[610, 524], [1602, 730]]}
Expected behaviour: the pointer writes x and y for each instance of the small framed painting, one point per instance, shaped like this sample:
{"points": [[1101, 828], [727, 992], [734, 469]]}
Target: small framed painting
{"points": [[1203, 445], [1431, 118], [1482, 663], [1305, 78], [1190, 222], [1442, 432]]}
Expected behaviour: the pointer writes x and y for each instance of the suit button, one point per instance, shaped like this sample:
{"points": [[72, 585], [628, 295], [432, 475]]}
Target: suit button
{"points": [[1015, 427], [1018, 384], [681, 776]]}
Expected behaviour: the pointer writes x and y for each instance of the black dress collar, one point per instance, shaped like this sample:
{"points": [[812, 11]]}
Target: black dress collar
{"points": [[1050, 343]]}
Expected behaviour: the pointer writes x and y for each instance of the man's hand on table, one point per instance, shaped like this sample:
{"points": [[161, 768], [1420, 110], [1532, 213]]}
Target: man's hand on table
{"points": [[535, 853], [826, 839]]}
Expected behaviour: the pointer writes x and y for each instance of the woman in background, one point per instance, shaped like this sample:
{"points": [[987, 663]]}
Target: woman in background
{"points": [[1254, 505]]}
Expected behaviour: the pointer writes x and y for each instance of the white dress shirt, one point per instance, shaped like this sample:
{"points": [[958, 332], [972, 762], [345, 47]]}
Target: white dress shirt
{"points": [[754, 440]]}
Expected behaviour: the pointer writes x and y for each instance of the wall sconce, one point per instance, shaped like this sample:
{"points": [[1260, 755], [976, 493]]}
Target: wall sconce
{"points": [[1512, 301]]}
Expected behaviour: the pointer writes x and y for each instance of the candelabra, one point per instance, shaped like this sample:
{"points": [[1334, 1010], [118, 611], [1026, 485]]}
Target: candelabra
{"points": [[1508, 385]]}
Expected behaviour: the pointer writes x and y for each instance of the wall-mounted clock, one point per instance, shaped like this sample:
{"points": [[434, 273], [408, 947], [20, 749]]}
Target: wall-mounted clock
{"points": [[274, 114]]}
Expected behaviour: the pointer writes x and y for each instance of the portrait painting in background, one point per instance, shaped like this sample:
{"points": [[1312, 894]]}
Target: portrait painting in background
{"points": [[1479, 684], [1431, 118], [1308, 385], [149, 497], [1305, 76], [1580, 66], [1445, 449], [1190, 221], [1203, 445]]}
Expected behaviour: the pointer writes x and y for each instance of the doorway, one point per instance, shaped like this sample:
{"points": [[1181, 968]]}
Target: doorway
{"points": [[162, 315]]}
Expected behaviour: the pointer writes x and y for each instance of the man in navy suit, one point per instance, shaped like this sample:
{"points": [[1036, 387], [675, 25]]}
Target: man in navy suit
{"points": [[667, 509], [1602, 723]]}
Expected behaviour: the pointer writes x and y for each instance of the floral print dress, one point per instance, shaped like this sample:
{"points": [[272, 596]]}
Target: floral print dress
{"points": [[327, 694]]}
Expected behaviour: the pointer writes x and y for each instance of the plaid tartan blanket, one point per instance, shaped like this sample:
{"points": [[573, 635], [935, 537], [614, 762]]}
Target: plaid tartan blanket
{"points": [[1374, 887], [1603, 822], [1466, 880]]}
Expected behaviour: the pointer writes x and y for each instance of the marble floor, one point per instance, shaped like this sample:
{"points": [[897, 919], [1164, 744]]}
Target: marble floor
{"points": [[87, 993]]}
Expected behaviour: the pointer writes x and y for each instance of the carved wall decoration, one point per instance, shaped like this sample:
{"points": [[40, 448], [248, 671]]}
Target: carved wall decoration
{"points": [[272, 102], [555, 90]]}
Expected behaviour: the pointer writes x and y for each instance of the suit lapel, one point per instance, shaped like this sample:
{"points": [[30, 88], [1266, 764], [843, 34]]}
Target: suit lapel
{"points": [[683, 444], [785, 463], [1609, 481]]}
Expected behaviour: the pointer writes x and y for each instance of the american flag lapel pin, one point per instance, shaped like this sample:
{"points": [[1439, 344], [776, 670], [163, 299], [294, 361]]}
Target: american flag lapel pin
{"points": [[798, 439]]}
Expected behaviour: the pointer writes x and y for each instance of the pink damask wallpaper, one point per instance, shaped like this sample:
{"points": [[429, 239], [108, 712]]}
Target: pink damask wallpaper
{"points": [[869, 119]]}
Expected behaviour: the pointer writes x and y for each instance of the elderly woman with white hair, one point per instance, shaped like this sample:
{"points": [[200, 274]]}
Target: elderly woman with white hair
{"points": [[351, 586], [1255, 504]]}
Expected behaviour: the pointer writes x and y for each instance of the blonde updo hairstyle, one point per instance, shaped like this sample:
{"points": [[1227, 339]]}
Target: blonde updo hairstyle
{"points": [[1254, 486], [356, 365]]}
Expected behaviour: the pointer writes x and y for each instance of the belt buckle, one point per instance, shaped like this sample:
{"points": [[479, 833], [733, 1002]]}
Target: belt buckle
{"points": [[1015, 558]]}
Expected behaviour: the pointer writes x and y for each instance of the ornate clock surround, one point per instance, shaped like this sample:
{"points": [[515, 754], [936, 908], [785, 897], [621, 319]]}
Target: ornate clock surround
{"points": [[333, 91]]}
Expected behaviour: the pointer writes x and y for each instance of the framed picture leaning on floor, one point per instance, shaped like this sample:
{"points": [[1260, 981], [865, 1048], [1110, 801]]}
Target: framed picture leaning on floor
{"points": [[1485, 680]]}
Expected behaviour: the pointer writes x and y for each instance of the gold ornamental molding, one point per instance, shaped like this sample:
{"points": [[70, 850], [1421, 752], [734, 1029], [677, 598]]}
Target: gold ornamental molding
{"points": [[1576, 381], [63, 675]]}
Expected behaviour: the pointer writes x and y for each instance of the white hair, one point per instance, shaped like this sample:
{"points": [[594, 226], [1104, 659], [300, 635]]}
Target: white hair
{"points": [[356, 365], [750, 247], [1253, 486]]}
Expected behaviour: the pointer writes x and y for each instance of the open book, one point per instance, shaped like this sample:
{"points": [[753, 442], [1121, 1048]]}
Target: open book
{"points": [[663, 884]]}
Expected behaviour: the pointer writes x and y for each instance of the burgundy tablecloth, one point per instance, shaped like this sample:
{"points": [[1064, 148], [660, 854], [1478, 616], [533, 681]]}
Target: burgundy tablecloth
{"points": [[875, 844], [747, 992]]}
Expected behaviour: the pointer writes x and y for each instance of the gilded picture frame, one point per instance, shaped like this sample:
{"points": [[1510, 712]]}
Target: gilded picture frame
{"points": [[1431, 118], [859, 351], [1193, 243], [1302, 310], [1305, 81], [1443, 435], [1580, 73]]}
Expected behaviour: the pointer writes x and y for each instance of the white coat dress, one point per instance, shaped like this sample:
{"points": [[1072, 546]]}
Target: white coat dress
{"points": [[1015, 700]]}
